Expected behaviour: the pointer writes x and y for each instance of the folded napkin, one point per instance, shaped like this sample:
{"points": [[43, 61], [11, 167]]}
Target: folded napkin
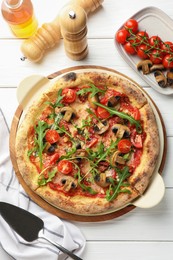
{"points": [[60, 231]]}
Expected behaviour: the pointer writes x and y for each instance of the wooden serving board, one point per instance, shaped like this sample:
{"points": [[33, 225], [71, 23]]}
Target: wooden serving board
{"points": [[44, 204]]}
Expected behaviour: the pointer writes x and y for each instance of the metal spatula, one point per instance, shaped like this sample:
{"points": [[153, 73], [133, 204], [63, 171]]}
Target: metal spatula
{"points": [[27, 225]]}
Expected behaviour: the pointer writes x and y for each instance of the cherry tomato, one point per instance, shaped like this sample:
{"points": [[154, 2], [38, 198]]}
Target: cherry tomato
{"points": [[65, 166], [69, 95], [136, 139], [167, 47], [142, 37], [143, 51], [102, 113], [121, 36], [156, 56], [52, 136], [131, 25], [51, 160], [155, 41], [124, 146], [168, 61], [130, 47]]}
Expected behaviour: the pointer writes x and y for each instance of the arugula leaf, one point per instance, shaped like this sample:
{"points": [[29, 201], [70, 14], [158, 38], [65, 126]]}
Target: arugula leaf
{"points": [[40, 130], [31, 151], [58, 100], [43, 181], [99, 155], [93, 90], [102, 153], [93, 155], [123, 115], [114, 190]]}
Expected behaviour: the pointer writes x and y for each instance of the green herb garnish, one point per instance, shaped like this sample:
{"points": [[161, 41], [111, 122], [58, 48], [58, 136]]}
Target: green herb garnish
{"points": [[58, 100], [114, 188], [40, 130], [92, 89], [43, 181]]}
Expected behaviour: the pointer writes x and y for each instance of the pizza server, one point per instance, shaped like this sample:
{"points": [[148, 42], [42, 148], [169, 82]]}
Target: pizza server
{"points": [[17, 218]]}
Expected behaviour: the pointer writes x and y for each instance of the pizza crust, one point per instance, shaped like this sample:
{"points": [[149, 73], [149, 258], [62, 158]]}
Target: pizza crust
{"points": [[82, 205], [142, 175]]}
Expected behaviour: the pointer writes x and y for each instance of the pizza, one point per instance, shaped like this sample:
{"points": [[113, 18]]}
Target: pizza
{"points": [[89, 144]]}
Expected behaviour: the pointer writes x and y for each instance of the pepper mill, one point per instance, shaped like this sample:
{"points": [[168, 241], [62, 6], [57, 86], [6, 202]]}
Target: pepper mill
{"points": [[74, 31], [46, 37], [49, 34]]}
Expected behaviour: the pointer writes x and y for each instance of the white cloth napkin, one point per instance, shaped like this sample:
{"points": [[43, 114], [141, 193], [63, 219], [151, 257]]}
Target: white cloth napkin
{"points": [[60, 231]]}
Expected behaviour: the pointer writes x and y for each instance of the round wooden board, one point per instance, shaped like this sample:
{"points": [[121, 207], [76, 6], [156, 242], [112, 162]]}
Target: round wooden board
{"points": [[41, 202]]}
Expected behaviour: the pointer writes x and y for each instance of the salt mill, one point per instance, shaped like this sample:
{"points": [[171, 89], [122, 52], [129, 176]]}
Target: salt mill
{"points": [[73, 20]]}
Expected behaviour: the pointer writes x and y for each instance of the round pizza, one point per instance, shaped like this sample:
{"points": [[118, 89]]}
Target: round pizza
{"points": [[89, 145]]}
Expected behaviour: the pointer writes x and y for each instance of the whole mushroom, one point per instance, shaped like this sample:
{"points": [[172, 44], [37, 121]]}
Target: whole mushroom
{"points": [[145, 66]]}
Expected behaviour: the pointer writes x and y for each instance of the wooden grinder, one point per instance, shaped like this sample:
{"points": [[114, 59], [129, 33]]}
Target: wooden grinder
{"points": [[46, 37], [74, 30], [49, 34]]}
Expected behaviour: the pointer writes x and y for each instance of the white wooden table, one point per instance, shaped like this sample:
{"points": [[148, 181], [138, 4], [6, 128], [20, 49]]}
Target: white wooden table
{"points": [[142, 233]]}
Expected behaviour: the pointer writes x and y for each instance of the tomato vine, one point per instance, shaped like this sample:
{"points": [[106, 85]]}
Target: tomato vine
{"points": [[136, 42]]}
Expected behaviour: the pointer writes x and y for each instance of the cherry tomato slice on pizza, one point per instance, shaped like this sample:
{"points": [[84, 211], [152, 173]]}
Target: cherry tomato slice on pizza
{"points": [[102, 113], [69, 95], [124, 146], [65, 166], [52, 136]]}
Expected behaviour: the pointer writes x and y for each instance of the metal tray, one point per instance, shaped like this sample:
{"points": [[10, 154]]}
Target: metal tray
{"points": [[155, 22]]}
